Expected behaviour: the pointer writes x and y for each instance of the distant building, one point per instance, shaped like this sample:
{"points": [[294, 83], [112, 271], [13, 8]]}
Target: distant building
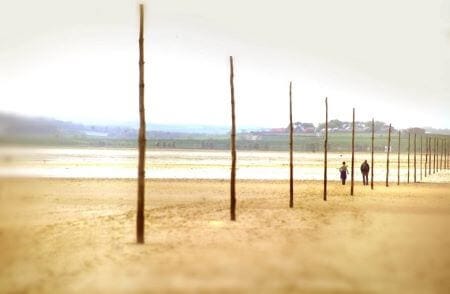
{"points": [[278, 130], [300, 127], [419, 131]]}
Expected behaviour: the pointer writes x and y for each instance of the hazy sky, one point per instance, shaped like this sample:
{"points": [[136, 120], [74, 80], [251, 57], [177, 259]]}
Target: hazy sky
{"points": [[77, 60]]}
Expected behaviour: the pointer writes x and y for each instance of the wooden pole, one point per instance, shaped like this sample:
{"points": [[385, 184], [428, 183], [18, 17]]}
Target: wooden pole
{"points": [[387, 159], [434, 155], [421, 158], [446, 153], [442, 153], [409, 149], [398, 159], [415, 159], [372, 161], [426, 155], [429, 155], [353, 154], [325, 179], [233, 147], [291, 151], [142, 139], [437, 154]]}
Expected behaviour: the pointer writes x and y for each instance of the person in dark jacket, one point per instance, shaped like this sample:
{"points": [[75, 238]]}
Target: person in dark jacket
{"points": [[343, 171], [365, 172]]}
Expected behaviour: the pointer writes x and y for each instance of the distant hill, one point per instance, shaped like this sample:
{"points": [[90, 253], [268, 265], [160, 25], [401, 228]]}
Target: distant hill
{"points": [[12, 125], [15, 129]]}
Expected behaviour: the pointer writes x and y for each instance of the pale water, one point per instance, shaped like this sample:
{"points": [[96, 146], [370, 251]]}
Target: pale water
{"points": [[190, 164]]}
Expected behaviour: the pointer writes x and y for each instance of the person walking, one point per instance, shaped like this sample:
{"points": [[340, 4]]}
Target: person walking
{"points": [[344, 172], [365, 172]]}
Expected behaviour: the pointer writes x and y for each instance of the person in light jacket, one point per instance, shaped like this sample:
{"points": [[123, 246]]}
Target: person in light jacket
{"points": [[344, 172]]}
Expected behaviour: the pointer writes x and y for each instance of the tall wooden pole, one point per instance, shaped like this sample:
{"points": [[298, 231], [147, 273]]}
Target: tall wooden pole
{"points": [[233, 147], [398, 159], [325, 164], [409, 149], [426, 155], [437, 154], [353, 154], [387, 159], [446, 148], [429, 155], [291, 151], [442, 154], [415, 159], [421, 151], [433, 147], [372, 165], [434, 155], [446, 153], [142, 140]]}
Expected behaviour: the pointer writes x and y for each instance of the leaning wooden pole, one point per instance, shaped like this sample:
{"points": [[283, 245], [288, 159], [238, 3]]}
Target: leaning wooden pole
{"points": [[409, 151], [398, 158], [141, 163], [233, 147], [291, 151], [387, 158], [372, 160], [325, 164], [353, 155], [415, 158]]}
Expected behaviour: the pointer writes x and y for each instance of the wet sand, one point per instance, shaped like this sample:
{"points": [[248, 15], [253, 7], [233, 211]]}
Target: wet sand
{"points": [[120, 163], [77, 235]]}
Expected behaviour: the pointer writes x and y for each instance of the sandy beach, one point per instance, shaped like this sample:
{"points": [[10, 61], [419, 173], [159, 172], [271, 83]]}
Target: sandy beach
{"points": [[77, 236]]}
